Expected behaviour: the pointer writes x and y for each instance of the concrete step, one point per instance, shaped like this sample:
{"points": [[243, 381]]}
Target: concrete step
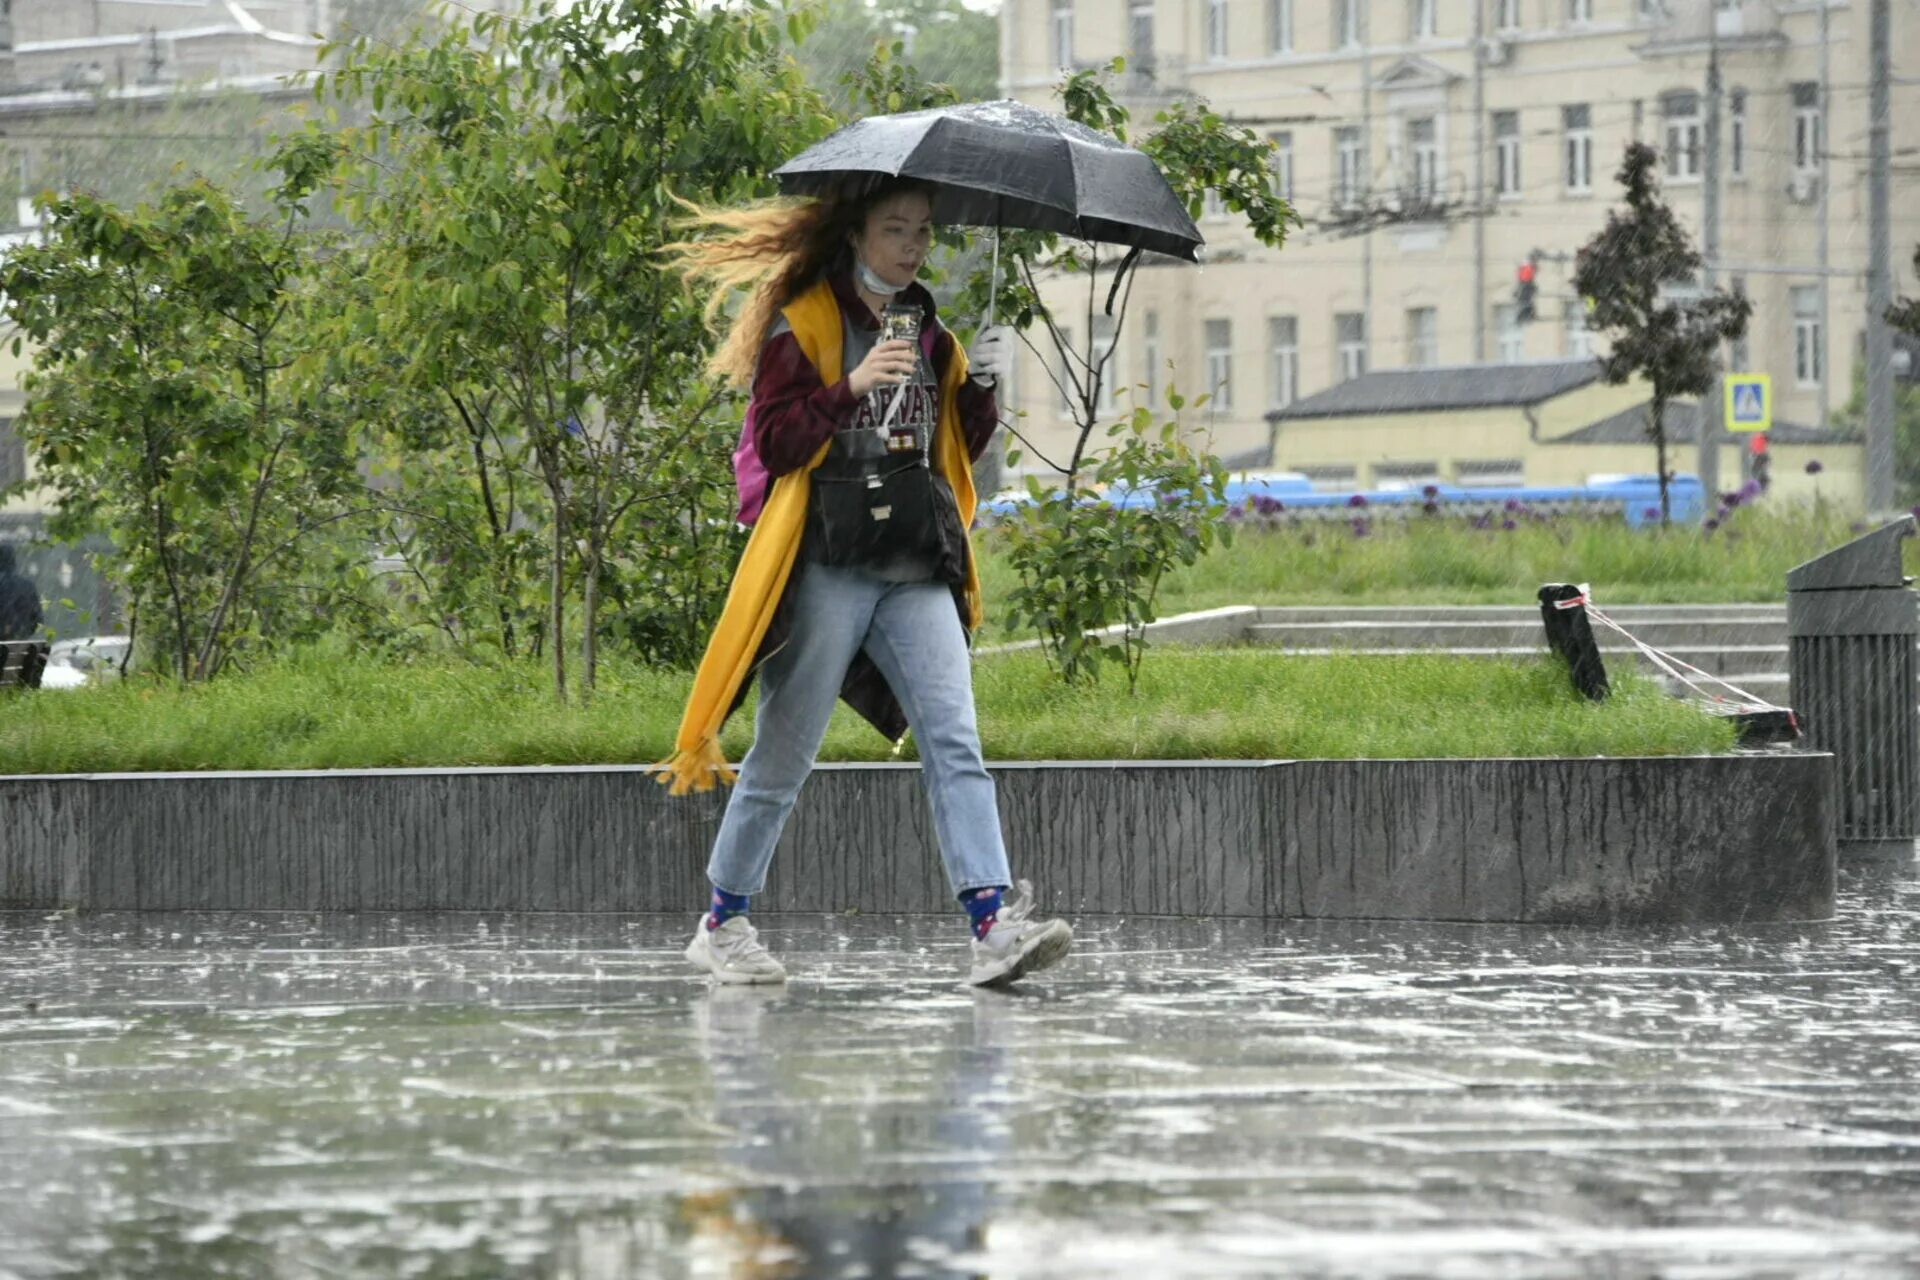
{"points": [[1732, 661], [1352, 634], [1625, 613]]}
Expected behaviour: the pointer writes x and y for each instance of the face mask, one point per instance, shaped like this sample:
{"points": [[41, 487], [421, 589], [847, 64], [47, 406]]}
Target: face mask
{"points": [[871, 282]]}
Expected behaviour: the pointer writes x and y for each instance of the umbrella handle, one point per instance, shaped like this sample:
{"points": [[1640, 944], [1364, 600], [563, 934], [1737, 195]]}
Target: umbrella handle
{"points": [[993, 284]]}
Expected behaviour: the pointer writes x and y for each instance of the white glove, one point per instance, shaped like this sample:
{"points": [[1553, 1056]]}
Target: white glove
{"points": [[990, 358]]}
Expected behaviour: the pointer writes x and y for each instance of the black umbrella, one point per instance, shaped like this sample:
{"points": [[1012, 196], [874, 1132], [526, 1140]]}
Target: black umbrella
{"points": [[1005, 164]]}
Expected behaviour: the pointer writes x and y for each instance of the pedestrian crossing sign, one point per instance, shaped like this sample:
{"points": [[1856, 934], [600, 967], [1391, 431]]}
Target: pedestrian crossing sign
{"points": [[1749, 404]]}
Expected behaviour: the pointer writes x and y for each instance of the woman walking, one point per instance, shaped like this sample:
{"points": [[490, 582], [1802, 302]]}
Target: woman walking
{"points": [[859, 579]]}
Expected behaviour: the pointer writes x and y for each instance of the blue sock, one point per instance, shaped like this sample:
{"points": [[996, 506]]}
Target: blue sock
{"points": [[983, 905], [725, 907]]}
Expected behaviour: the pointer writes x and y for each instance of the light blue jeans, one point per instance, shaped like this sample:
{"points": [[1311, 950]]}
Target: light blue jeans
{"points": [[912, 632]]}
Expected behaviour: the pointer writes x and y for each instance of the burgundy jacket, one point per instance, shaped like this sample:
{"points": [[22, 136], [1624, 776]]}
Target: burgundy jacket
{"points": [[795, 411]]}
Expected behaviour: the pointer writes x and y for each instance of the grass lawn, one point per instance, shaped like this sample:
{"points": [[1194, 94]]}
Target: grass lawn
{"points": [[1444, 559], [319, 711]]}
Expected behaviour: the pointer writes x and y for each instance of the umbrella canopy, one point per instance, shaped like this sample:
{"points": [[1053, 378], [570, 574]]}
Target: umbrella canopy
{"points": [[1005, 164]]}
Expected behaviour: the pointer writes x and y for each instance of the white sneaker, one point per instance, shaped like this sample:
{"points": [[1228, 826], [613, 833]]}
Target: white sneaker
{"points": [[732, 953], [1017, 946]]}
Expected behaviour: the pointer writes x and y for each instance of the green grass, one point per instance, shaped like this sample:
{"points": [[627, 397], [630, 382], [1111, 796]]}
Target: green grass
{"points": [[1443, 560], [319, 711]]}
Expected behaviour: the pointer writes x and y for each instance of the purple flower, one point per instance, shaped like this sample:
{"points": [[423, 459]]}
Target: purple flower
{"points": [[1814, 468], [1712, 525], [1360, 526], [1651, 513], [1431, 491], [1508, 525], [1266, 506], [1431, 507], [1357, 500], [1513, 504], [1729, 500], [1750, 490]]}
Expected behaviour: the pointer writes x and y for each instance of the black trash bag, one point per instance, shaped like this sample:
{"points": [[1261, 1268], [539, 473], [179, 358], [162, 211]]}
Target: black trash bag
{"points": [[1570, 634]]}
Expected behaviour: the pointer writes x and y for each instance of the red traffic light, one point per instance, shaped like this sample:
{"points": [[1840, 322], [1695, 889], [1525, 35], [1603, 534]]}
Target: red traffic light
{"points": [[1759, 443], [1524, 273]]}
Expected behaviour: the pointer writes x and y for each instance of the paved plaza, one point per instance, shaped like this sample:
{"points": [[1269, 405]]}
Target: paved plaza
{"points": [[554, 1095]]}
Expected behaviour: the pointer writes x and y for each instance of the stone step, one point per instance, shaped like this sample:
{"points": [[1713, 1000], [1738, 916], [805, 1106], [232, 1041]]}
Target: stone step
{"points": [[1625, 613], [1351, 634], [1732, 661]]}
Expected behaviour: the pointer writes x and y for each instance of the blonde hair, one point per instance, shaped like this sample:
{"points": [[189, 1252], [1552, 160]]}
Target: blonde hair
{"points": [[775, 249]]}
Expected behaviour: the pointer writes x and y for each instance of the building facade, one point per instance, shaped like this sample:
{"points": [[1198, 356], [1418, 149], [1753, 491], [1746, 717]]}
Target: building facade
{"points": [[1434, 146]]}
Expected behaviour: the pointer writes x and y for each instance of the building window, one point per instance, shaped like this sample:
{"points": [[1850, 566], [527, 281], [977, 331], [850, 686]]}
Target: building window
{"points": [[1402, 476], [1680, 114], [1421, 19], [1506, 152], [1282, 163], [1347, 179], [1509, 333], [1737, 133], [1577, 123], [1807, 349], [1489, 472], [1106, 362], [1279, 26], [1283, 345], [1346, 16], [1423, 337], [1579, 10], [1063, 34], [1069, 401], [1423, 160], [1506, 15], [1579, 338], [1330, 477], [1216, 30], [1220, 364], [1140, 35], [1350, 345], [1806, 128], [1150, 354]]}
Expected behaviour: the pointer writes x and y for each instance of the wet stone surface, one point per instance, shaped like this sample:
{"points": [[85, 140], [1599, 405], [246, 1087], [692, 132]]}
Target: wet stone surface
{"points": [[466, 1096]]}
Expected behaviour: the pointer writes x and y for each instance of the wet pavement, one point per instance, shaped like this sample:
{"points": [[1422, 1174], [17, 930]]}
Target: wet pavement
{"points": [[479, 1096]]}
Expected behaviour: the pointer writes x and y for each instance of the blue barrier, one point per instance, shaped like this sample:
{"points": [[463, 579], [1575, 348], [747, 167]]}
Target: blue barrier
{"points": [[1636, 497]]}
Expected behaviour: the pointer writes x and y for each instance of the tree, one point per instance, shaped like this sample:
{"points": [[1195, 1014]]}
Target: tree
{"points": [[1636, 275], [1083, 563], [519, 176], [171, 404]]}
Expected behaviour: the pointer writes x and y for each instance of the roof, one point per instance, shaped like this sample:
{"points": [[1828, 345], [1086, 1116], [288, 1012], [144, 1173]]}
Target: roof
{"points": [[1629, 426], [1465, 386]]}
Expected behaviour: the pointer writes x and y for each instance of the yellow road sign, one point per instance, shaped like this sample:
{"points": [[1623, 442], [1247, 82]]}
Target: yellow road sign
{"points": [[1749, 402]]}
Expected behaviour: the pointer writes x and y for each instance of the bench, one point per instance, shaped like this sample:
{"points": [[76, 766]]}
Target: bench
{"points": [[22, 662]]}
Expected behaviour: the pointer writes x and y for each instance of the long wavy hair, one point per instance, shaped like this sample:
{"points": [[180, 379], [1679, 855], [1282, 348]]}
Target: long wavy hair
{"points": [[774, 249]]}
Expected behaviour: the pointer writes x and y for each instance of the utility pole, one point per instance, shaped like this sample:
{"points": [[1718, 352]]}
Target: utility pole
{"points": [[1879, 274], [1366, 183], [1708, 464], [1480, 204], [1826, 184]]}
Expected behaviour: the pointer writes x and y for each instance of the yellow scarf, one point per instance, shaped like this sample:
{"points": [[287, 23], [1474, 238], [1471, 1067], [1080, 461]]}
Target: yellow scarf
{"points": [[765, 566]]}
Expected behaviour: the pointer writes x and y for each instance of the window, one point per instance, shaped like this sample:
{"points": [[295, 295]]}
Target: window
{"points": [[1282, 164], [1150, 354], [1214, 205], [1106, 361], [13, 455], [1283, 346], [1216, 35], [1806, 128], [1506, 15], [1330, 477], [1506, 152], [1578, 338], [1488, 472], [1220, 364], [1421, 19], [1279, 26], [1347, 180], [1405, 475], [1069, 400], [1680, 113], [1423, 337], [1140, 35], [1579, 10], [1509, 333], [1423, 160], [1577, 123], [1350, 345], [1346, 30], [1063, 34], [1807, 348], [1737, 133]]}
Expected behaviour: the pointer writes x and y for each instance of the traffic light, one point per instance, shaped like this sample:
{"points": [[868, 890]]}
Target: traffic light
{"points": [[1761, 468], [1523, 290]]}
